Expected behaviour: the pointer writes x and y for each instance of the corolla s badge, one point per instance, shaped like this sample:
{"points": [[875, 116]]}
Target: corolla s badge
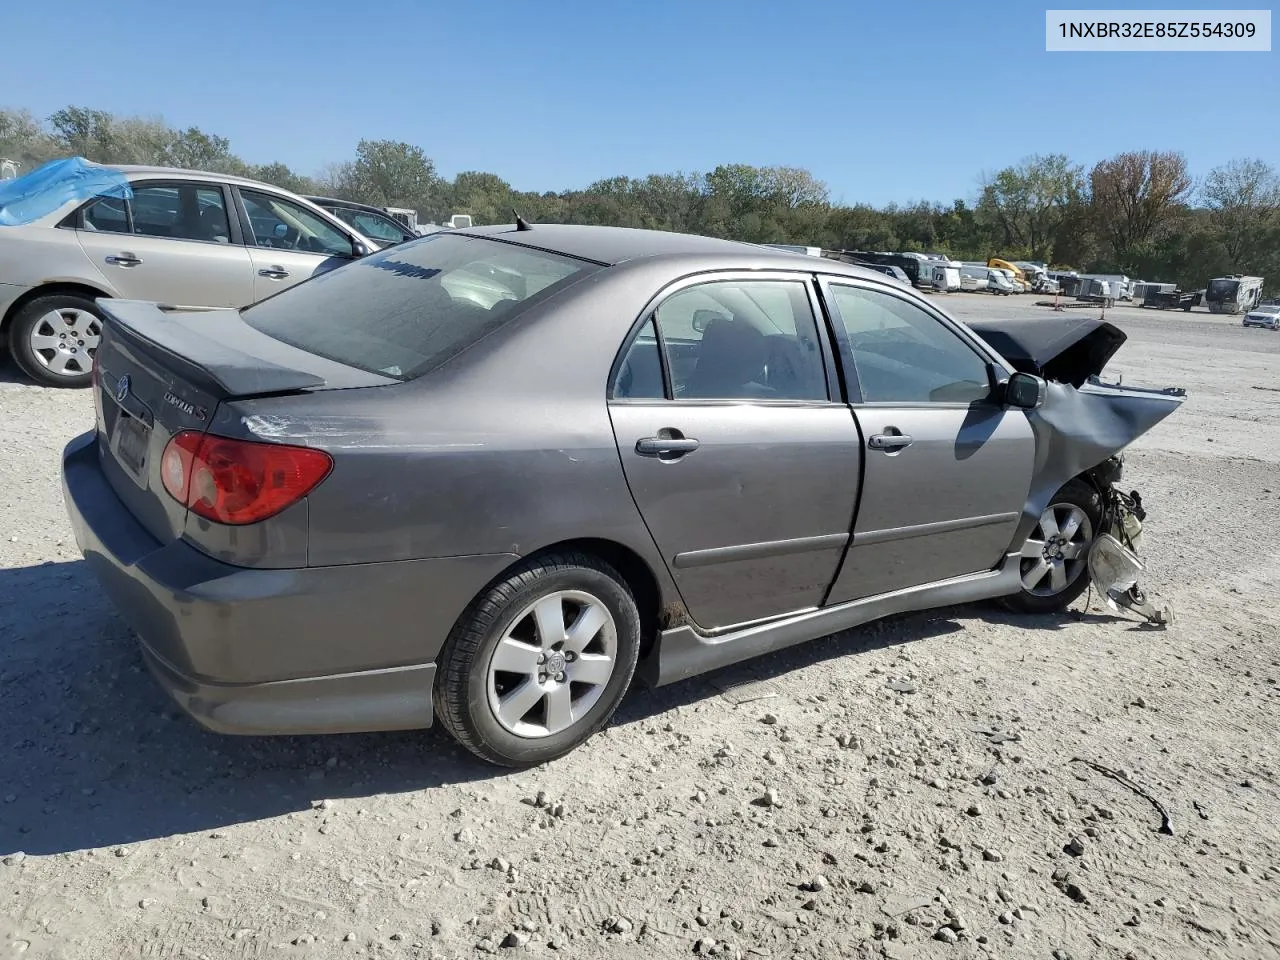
{"points": [[190, 409], [122, 388]]}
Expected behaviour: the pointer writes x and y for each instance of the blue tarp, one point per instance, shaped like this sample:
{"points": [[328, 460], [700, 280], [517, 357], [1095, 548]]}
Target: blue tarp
{"points": [[46, 188]]}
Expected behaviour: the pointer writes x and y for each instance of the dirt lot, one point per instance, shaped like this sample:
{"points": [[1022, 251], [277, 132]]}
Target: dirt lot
{"points": [[948, 821]]}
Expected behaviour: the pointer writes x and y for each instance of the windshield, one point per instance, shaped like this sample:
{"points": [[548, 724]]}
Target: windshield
{"points": [[1221, 289], [408, 309]]}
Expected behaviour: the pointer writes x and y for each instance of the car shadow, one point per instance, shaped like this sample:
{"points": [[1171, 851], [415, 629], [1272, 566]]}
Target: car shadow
{"points": [[94, 754], [9, 371]]}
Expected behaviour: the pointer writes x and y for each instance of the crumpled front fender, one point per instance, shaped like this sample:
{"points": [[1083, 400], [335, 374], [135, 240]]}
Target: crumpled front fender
{"points": [[1079, 428]]}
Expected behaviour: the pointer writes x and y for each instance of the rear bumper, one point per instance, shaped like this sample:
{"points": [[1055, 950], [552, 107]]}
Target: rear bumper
{"points": [[394, 699], [258, 651]]}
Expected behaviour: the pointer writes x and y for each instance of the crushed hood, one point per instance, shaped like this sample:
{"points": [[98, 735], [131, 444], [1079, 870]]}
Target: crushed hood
{"points": [[1065, 349]]}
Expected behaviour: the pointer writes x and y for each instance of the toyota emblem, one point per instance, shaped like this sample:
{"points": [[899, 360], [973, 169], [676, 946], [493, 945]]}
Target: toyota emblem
{"points": [[122, 388]]}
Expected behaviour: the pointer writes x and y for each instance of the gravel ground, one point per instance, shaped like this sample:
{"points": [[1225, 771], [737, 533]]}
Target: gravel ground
{"points": [[912, 789]]}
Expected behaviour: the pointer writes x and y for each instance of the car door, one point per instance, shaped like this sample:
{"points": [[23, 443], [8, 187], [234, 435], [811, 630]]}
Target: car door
{"points": [[172, 242], [743, 466], [287, 242], [947, 469]]}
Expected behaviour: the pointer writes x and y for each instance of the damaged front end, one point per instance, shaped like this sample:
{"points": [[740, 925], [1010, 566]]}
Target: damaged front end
{"points": [[1082, 426]]}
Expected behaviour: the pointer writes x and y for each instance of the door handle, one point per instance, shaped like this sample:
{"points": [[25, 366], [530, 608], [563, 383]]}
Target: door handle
{"points": [[889, 442], [124, 260], [275, 273], [660, 446]]}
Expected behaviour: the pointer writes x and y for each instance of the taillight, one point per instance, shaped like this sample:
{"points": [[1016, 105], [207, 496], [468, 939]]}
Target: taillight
{"points": [[238, 481]]}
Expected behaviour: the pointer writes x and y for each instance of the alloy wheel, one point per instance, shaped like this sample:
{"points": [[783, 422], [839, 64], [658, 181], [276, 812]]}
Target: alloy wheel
{"points": [[1057, 551], [65, 340], [552, 664]]}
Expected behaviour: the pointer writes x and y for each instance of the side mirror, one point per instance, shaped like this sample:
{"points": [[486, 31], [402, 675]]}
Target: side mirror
{"points": [[359, 248], [1025, 390]]}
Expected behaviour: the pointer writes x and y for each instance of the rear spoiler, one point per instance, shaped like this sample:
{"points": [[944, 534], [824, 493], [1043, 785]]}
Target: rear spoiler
{"points": [[201, 346]]}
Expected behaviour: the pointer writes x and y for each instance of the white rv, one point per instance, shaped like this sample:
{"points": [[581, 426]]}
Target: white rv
{"points": [[1234, 294]]}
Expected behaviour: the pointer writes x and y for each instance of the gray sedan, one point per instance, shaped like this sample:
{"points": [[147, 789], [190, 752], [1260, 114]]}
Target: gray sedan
{"points": [[493, 473]]}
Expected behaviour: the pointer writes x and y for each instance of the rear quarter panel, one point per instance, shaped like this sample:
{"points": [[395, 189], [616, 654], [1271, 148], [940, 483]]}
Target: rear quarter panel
{"points": [[38, 255]]}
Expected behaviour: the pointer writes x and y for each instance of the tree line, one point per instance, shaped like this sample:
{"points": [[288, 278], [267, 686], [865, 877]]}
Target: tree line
{"points": [[1141, 213]]}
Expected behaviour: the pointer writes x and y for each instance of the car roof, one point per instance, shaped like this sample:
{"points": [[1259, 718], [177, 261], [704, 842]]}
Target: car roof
{"points": [[133, 170], [615, 245]]}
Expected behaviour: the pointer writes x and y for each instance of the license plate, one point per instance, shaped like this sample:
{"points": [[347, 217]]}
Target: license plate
{"points": [[132, 436]]}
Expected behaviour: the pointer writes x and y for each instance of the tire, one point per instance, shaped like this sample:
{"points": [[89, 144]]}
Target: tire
{"points": [[510, 615], [1044, 596], [54, 338]]}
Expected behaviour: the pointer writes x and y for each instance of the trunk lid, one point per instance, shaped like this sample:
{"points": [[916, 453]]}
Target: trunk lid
{"points": [[160, 371]]}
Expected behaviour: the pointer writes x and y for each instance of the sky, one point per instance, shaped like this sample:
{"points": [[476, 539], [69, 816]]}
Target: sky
{"points": [[885, 102]]}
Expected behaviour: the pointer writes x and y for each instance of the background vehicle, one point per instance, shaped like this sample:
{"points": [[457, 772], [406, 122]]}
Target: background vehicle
{"points": [[1264, 315], [1234, 294], [184, 238], [1019, 276], [273, 466], [1002, 282], [378, 225]]}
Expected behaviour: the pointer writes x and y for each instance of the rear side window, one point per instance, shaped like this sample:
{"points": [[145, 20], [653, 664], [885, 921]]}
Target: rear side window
{"points": [[410, 308]]}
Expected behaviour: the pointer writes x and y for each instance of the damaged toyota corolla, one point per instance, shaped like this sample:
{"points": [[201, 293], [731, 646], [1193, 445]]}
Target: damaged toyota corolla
{"points": [[493, 474]]}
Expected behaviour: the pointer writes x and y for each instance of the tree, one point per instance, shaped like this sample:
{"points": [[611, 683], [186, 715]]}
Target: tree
{"points": [[390, 173], [84, 132], [1025, 204], [193, 149], [282, 176], [1243, 198], [486, 197], [1136, 198]]}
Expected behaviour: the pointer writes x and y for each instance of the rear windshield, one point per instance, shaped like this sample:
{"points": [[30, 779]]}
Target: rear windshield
{"points": [[408, 309]]}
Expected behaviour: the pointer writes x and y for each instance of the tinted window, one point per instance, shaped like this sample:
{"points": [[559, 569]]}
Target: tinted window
{"points": [[107, 214], [407, 309], [175, 211], [283, 225], [180, 212], [374, 226], [902, 354], [640, 375], [739, 340]]}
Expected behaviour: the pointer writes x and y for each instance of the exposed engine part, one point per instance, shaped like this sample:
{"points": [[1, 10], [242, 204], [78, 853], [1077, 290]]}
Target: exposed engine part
{"points": [[1114, 566]]}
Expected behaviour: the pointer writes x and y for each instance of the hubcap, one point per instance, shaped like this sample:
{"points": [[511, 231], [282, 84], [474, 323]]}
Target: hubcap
{"points": [[1057, 551], [552, 665], [65, 340]]}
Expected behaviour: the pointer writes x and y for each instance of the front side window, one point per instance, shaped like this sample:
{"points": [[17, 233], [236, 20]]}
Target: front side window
{"points": [[903, 354], [283, 225], [409, 308], [730, 340]]}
